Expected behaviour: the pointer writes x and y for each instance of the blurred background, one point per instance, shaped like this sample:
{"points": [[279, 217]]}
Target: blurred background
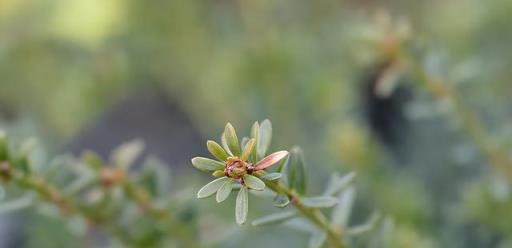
{"points": [[412, 95]]}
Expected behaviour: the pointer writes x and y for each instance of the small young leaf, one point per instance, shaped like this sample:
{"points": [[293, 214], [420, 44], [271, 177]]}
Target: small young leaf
{"points": [[212, 187], [270, 160], [225, 190], [253, 182], [281, 201], [248, 148], [317, 239], [92, 160], [271, 176], [232, 139], [320, 202], [218, 173], [341, 214], [206, 164], [126, 154], [216, 150], [242, 206], [265, 136], [338, 183], [275, 218], [255, 134]]}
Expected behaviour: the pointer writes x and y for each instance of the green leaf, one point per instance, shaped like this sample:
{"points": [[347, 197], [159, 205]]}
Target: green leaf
{"points": [[93, 160], [212, 187], [338, 183], [341, 214], [317, 239], [255, 134], [275, 218], [216, 150], [297, 171], [370, 224], [232, 139], [320, 202], [17, 204], [272, 176], [265, 136], [225, 145], [125, 155], [242, 206], [206, 164], [281, 201], [156, 177], [253, 182], [248, 148], [225, 190], [218, 173]]}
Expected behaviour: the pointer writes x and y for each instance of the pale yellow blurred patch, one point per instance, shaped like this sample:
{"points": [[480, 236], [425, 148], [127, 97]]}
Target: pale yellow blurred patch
{"points": [[9, 8], [88, 22]]}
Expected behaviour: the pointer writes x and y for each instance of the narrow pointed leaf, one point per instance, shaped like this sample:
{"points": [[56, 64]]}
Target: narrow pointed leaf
{"points": [[216, 150], [242, 206], [17, 204], [271, 160], [366, 227], [281, 201], [338, 183], [341, 214], [253, 182], [265, 136], [232, 139], [212, 187], [272, 176], [206, 164], [320, 202], [255, 134], [248, 148], [317, 239], [275, 218], [225, 190]]}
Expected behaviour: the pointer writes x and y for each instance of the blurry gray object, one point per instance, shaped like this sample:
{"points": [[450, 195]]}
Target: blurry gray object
{"points": [[147, 114]]}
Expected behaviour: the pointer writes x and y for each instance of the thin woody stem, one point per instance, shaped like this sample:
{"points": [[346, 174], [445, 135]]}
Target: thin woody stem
{"points": [[334, 235]]}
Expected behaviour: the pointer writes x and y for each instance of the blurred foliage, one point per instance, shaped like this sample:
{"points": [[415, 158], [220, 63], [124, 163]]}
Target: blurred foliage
{"points": [[299, 63]]}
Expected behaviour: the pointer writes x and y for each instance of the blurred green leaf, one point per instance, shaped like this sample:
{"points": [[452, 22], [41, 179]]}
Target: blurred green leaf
{"points": [[125, 155], [320, 202], [337, 183], [272, 176], [16, 204], [296, 171], [317, 239], [341, 214], [275, 218]]}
